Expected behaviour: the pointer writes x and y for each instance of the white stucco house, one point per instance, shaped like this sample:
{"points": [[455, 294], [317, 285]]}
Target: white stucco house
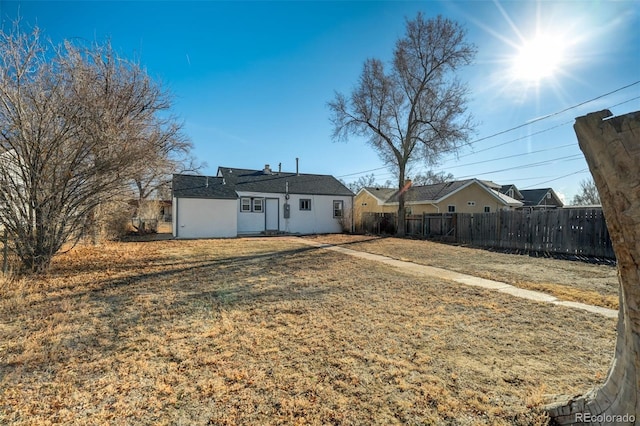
{"points": [[239, 202]]}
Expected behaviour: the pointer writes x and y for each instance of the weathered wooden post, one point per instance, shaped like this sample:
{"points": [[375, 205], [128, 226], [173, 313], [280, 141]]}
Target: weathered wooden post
{"points": [[612, 149]]}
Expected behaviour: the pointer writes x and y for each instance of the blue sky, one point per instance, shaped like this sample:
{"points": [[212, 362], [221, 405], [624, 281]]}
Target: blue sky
{"points": [[251, 80]]}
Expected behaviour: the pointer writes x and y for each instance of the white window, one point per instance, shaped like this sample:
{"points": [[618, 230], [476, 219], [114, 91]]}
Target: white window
{"points": [[245, 204], [305, 204], [487, 209], [451, 208], [338, 207], [248, 205]]}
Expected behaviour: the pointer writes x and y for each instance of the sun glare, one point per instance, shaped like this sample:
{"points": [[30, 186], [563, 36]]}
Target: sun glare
{"points": [[538, 58]]}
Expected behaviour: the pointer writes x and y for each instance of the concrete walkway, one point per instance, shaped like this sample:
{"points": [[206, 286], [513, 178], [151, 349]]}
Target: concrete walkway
{"points": [[422, 270]]}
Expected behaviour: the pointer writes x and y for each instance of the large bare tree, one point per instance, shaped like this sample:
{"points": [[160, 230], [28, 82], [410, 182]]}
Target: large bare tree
{"points": [[75, 126], [588, 194], [611, 147], [414, 109]]}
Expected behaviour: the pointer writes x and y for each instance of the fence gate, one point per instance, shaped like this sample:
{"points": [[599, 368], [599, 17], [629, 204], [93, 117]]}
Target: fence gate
{"points": [[439, 225]]}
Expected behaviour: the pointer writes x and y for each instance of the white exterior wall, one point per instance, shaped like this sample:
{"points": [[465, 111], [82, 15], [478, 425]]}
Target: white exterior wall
{"points": [[319, 220], [205, 218]]}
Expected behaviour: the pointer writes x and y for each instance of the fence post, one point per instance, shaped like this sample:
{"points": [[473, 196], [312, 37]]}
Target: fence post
{"points": [[5, 251]]}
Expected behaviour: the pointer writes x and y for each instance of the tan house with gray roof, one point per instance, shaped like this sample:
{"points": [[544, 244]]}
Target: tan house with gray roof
{"points": [[463, 196]]}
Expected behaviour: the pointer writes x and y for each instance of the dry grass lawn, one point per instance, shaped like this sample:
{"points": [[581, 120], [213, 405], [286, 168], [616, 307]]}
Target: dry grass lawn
{"points": [[271, 331], [575, 281]]}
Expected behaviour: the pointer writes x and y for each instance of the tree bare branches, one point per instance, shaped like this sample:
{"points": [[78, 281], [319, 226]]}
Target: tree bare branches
{"points": [[78, 125], [416, 109], [588, 194]]}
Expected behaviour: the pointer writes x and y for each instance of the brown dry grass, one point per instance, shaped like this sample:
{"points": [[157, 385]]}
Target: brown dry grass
{"points": [[270, 331], [575, 281]]}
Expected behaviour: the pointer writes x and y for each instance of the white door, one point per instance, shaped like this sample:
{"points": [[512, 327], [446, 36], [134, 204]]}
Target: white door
{"points": [[271, 214]]}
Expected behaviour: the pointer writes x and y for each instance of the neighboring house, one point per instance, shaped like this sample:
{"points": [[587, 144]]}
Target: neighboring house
{"points": [[240, 202], [373, 200], [538, 199], [463, 196]]}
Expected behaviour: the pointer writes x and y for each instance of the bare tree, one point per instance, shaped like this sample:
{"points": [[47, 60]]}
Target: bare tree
{"points": [[588, 194], [417, 109], [166, 151], [611, 147], [430, 177], [75, 125], [362, 182]]}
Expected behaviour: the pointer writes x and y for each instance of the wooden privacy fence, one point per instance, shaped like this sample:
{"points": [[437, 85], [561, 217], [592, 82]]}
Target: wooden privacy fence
{"points": [[564, 231], [573, 231]]}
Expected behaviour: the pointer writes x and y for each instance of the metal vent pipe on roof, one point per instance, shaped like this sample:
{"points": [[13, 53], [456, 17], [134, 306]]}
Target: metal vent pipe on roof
{"points": [[297, 170]]}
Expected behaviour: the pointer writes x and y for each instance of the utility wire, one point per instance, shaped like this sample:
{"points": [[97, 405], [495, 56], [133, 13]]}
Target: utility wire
{"points": [[558, 178], [553, 114], [508, 156], [526, 166], [524, 125]]}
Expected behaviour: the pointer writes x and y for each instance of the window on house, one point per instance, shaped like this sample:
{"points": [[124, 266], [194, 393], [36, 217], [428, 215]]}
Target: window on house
{"points": [[451, 208], [257, 204], [471, 203], [248, 205], [338, 207], [510, 193], [487, 209], [305, 204]]}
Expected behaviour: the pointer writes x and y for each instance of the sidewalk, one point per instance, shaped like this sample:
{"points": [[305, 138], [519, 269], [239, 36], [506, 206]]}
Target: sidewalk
{"points": [[423, 270]]}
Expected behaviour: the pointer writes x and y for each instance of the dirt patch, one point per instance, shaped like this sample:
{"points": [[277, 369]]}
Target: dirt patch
{"points": [[269, 331], [568, 280]]}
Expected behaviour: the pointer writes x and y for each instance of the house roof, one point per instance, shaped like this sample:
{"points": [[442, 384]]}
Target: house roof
{"points": [[511, 202], [434, 192], [516, 192], [246, 180], [192, 186], [437, 192], [382, 194], [537, 197]]}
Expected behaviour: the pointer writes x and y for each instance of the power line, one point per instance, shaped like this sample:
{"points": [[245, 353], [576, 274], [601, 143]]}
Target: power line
{"points": [[544, 117], [524, 125], [508, 156], [365, 171], [526, 166], [558, 178], [517, 139]]}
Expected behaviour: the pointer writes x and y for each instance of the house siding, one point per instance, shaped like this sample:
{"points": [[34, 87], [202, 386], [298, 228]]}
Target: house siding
{"points": [[474, 192], [471, 193], [364, 202], [205, 218], [318, 220]]}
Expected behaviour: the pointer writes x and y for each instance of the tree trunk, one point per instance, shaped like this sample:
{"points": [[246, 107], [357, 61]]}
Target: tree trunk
{"points": [[612, 150], [402, 220]]}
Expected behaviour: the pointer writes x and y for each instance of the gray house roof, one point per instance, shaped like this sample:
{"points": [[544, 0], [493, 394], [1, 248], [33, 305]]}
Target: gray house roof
{"points": [[430, 192], [382, 194], [246, 180], [538, 197], [516, 192], [192, 186], [436, 192], [230, 181]]}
